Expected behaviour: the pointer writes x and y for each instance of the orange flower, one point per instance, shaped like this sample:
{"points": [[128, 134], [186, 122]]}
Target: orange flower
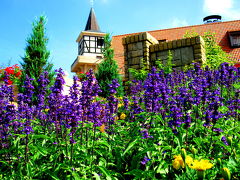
{"points": [[102, 128]]}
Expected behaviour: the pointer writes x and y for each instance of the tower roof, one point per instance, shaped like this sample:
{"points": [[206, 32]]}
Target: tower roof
{"points": [[92, 24]]}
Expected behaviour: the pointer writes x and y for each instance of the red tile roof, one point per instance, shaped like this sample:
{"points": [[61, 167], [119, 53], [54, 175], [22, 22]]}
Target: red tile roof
{"points": [[220, 29]]}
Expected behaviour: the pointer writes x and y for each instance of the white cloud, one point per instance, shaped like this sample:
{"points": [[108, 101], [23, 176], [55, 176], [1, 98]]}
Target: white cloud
{"points": [[228, 9], [176, 22]]}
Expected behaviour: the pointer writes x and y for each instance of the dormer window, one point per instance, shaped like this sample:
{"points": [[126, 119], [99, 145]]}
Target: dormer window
{"points": [[234, 37]]}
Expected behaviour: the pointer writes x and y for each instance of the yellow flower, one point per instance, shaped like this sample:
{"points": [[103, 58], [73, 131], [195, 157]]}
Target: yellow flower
{"points": [[123, 116], [189, 160], [116, 118], [120, 105], [178, 162], [201, 165], [226, 173]]}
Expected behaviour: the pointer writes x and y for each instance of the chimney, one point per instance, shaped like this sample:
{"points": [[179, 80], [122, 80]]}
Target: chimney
{"points": [[212, 19]]}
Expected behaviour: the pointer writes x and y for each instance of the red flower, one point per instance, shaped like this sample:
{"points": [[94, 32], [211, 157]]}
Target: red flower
{"points": [[237, 65], [18, 74], [9, 70], [10, 82]]}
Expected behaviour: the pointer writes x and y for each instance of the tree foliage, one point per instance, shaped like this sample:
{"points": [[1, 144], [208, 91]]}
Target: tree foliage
{"points": [[214, 53], [108, 70], [35, 60]]}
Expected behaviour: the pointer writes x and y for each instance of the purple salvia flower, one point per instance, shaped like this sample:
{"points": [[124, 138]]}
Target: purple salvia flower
{"points": [[126, 103], [145, 160], [224, 140], [145, 134]]}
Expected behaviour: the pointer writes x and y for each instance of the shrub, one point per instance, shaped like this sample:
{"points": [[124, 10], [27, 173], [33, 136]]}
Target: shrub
{"points": [[108, 70]]}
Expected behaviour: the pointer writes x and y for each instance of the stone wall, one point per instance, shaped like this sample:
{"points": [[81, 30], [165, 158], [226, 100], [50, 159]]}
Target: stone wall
{"points": [[184, 51], [144, 47], [136, 48]]}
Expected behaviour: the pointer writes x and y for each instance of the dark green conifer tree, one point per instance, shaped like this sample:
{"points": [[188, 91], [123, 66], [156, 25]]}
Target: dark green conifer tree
{"points": [[35, 60], [108, 70]]}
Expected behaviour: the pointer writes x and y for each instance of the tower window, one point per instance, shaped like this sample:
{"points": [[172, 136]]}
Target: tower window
{"points": [[100, 42], [90, 44]]}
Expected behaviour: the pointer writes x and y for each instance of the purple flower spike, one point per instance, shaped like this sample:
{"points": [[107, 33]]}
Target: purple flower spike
{"points": [[145, 160], [224, 140], [145, 134]]}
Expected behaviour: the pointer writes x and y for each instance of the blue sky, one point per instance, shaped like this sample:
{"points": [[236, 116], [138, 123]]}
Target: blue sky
{"points": [[67, 18]]}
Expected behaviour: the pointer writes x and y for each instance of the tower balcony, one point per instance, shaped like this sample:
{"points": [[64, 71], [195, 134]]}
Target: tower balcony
{"points": [[84, 63]]}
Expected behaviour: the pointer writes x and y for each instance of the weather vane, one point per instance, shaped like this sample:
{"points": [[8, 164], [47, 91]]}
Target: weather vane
{"points": [[92, 2]]}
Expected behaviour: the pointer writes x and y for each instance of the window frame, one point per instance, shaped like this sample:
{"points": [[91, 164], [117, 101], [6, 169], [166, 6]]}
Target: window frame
{"points": [[89, 44], [233, 34]]}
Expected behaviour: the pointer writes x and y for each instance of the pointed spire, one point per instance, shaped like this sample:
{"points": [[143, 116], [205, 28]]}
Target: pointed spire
{"points": [[92, 24]]}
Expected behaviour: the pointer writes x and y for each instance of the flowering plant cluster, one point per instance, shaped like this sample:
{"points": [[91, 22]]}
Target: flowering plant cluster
{"points": [[84, 136], [82, 76], [10, 74]]}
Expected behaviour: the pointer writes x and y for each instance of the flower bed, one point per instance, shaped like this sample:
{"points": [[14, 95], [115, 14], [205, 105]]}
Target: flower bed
{"points": [[183, 125], [10, 74]]}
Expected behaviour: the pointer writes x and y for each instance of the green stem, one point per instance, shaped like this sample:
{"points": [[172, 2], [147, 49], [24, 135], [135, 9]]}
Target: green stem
{"points": [[26, 150], [211, 139], [93, 140], [71, 155]]}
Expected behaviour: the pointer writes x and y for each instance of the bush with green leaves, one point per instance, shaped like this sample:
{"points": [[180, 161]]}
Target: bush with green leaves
{"points": [[108, 70], [214, 53]]}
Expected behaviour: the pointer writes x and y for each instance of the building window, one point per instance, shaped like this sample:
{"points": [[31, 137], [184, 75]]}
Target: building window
{"points": [[100, 42], [91, 44], [234, 37]]}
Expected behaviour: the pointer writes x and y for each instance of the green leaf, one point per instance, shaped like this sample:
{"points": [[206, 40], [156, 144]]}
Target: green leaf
{"points": [[96, 176], [223, 109], [102, 162], [136, 172], [40, 136], [29, 170], [105, 172], [4, 162], [52, 175], [130, 146], [105, 143], [75, 175], [40, 149]]}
